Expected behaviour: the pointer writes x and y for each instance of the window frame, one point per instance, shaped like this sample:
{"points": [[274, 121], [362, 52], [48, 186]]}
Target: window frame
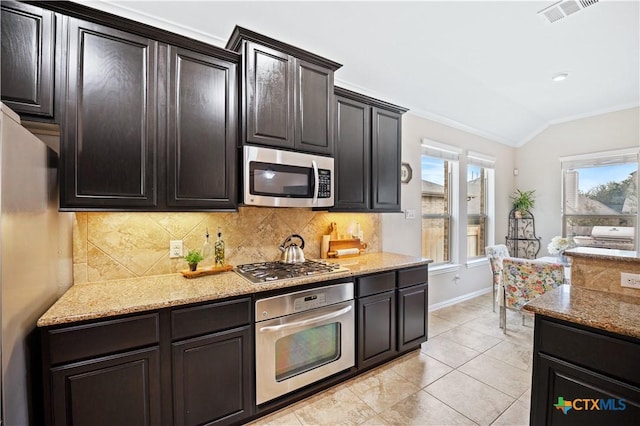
{"points": [[487, 167], [592, 160], [450, 154]]}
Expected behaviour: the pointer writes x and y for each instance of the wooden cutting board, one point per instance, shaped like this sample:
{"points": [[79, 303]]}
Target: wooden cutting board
{"points": [[205, 271]]}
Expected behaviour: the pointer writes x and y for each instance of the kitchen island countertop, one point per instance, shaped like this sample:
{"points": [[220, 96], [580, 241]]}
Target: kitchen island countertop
{"points": [[604, 254], [119, 297], [616, 313]]}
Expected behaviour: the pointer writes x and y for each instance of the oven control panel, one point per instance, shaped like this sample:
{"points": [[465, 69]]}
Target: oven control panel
{"points": [[309, 302], [300, 301]]}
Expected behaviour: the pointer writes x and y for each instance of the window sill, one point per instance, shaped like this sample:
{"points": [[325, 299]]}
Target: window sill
{"points": [[444, 268], [477, 262]]}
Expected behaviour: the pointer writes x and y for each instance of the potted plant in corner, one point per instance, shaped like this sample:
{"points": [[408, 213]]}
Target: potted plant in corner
{"points": [[522, 202], [192, 258]]}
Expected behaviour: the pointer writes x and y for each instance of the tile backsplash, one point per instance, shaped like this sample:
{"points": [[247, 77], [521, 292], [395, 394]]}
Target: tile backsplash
{"points": [[109, 246]]}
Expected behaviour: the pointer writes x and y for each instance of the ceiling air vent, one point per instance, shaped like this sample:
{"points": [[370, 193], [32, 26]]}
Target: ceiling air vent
{"points": [[564, 8]]}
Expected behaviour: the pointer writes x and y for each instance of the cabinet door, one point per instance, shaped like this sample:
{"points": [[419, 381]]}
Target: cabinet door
{"points": [[314, 108], [212, 378], [27, 59], [353, 155], [413, 305], [386, 155], [121, 389], [554, 379], [108, 147], [201, 141], [376, 328], [269, 109]]}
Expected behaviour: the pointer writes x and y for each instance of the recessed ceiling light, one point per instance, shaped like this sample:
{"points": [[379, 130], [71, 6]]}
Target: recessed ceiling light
{"points": [[560, 76]]}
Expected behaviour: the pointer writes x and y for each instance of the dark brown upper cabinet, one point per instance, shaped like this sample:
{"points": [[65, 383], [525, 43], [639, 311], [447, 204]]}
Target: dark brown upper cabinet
{"points": [[28, 43], [367, 154], [386, 151], [202, 131], [288, 94], [269, 96], [148, 126], [109, 145], [353, 154]]}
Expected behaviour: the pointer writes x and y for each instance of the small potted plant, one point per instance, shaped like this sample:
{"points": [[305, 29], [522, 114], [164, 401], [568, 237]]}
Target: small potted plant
{"points": [[192, 258], [522, 202]]}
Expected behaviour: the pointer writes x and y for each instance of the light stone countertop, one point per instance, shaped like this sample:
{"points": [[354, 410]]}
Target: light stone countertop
{"points": [[607, 311], [118, 297], [604, 254]]}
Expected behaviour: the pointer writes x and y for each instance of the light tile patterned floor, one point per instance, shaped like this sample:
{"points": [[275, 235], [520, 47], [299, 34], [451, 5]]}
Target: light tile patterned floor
{"points": [[468, 373]]}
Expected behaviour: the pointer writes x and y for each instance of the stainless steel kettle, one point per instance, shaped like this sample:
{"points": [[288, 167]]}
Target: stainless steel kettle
{"points": [[292, 253]]}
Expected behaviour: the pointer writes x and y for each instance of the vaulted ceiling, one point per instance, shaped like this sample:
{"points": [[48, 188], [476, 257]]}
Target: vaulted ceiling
{"points": [[481, 66]]}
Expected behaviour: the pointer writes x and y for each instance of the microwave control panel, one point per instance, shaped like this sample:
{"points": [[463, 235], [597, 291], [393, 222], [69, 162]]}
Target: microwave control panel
{"points": [[324, 183]]}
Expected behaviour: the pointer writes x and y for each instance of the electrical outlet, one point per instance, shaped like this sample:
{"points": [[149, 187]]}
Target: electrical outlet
{"points": [[630, 280], [175, 248], [410, 213]]}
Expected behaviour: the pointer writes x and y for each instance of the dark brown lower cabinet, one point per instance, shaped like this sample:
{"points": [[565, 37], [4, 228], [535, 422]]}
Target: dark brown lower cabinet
{"points": [[392, 313], [413, 303], [592, 374], [189, 365], [376, 328], [194, 364], [211, 378], [122, 389]]}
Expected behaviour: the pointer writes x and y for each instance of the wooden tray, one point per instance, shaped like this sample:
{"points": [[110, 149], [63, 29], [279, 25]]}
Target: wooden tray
{"points": [[205, 271]]}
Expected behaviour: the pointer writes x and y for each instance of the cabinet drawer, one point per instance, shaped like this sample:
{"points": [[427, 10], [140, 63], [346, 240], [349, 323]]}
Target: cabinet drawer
{"points": [[210, 318], [377, 283], [413, 276], [599, 352], [100, 338]]}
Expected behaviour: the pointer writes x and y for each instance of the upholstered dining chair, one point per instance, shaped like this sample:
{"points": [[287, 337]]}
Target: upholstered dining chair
{"points": [[524, 280], [495, 254]]}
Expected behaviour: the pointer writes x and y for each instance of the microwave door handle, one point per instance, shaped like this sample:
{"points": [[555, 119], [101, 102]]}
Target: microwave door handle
{"points": [[295, 324], [316, 184]]}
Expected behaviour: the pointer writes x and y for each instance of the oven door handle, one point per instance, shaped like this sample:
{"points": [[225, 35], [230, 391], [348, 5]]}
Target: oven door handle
{"points": [[295, 324], [316, 184]]}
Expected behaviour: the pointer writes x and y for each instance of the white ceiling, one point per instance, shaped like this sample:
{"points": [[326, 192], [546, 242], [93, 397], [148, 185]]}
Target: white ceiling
{"points": [[481, 66]]}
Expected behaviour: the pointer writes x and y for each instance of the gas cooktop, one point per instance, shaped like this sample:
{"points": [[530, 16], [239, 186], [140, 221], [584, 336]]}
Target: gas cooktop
{"points": [[271, 271]]}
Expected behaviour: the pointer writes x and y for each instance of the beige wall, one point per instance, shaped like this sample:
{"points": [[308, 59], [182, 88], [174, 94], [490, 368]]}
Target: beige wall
{"points": [[539, 164], [110, 246], [539, 168], [402, 235]]}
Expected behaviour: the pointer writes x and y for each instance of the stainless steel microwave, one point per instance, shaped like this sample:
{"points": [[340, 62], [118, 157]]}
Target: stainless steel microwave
{"points": [[277, 178]]}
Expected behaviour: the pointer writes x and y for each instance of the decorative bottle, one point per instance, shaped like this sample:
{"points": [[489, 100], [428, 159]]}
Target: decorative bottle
{"points": [[219, 250], [207, 252]]}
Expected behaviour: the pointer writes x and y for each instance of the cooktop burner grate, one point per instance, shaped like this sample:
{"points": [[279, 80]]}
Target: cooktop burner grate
{"points": [[271, 271]]}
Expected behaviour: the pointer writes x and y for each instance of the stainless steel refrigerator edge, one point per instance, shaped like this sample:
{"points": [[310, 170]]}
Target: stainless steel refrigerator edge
{"points": [[35, 257]]}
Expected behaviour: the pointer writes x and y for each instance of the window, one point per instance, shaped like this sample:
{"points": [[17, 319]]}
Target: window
{"points": [[476, 211], [439, 170], [479, 202], [600, 199]]}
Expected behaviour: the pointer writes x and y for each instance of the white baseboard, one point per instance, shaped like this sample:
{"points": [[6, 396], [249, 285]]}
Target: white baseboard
{"points": [[459, 299]]}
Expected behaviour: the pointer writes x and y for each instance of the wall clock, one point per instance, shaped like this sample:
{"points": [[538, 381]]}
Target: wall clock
{"points": [[405, 172]]}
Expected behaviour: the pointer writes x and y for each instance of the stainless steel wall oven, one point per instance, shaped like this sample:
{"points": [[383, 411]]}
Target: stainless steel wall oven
{"points": [[303, 337]]}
